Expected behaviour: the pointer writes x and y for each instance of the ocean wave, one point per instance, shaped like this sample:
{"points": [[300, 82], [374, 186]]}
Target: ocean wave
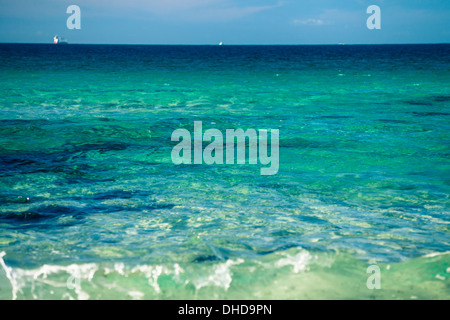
{"points": [[291, 274]]}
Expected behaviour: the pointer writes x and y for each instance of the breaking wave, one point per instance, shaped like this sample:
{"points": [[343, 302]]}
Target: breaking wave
{"points": [[292, 274]]}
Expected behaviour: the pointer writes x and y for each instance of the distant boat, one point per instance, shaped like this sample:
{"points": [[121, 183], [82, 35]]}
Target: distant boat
{"points": [[221, 43], [58, 40]]}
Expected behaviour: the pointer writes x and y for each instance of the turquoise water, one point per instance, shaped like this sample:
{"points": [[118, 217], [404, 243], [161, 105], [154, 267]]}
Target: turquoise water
{"points": [[92, 206]]}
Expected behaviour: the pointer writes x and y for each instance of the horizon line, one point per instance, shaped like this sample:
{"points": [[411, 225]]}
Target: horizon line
{"points": [[231, 44]]}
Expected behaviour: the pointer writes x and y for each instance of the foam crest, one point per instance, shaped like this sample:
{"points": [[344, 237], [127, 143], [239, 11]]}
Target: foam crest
{"points": [[300, 261], [49, 276], [220, 276]]}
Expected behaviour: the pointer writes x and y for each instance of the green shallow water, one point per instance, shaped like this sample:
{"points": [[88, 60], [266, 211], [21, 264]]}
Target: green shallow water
{"points": [[286, 275], [88, 187]]}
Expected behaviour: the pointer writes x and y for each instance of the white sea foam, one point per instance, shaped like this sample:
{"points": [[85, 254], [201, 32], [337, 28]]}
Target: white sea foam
{"points": [[152, 273], [136, 295], [221, 276], [20, 278], [436, 254], [300, 261], [439, 277], [9, 275]]}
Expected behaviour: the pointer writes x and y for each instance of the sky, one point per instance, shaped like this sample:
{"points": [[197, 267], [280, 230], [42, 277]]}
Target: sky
{"points": [[227, 21]]}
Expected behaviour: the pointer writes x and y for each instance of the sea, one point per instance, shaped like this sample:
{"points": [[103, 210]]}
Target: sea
{"points": [[92, 205]]}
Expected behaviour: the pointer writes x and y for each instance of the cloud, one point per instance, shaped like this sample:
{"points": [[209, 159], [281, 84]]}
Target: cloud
{"points": [[233, 12], [309, 22], [333, 17]]}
